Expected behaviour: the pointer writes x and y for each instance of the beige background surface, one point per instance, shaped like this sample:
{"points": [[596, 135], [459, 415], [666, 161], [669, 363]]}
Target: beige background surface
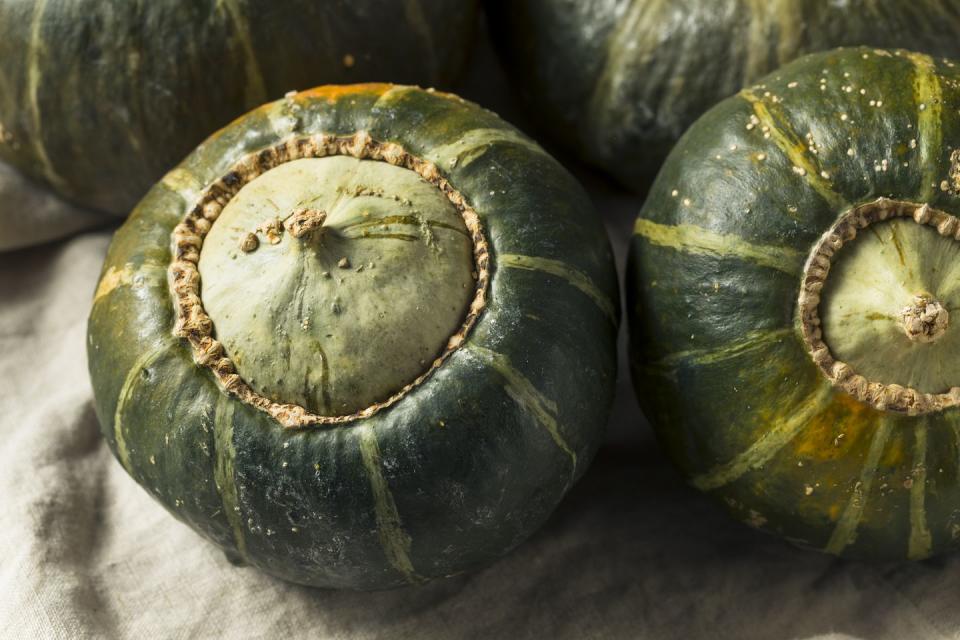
{"points": [[631, 553]]}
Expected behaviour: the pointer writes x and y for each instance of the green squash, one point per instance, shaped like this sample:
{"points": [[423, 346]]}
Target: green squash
{"points": [[619, 81], [794, 303], [100, 99], [403, 351]]}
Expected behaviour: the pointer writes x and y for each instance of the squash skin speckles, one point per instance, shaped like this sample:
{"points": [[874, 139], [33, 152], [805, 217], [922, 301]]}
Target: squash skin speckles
{"points": [[719, 348]]}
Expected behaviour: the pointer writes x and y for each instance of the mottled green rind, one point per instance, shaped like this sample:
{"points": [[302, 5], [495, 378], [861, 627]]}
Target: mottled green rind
{"points": [[454, 475], [99, 99], [619, 81], [717, 359]]}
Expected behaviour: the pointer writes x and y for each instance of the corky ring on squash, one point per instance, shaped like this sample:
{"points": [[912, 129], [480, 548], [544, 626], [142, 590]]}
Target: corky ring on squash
{"points": [[794, 301], [100, 99], [361, 337]]}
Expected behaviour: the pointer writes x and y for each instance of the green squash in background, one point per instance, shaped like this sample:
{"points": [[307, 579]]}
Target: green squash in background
{"points": [[403, 351], [100, 99], [794, 303], [618, 81]]}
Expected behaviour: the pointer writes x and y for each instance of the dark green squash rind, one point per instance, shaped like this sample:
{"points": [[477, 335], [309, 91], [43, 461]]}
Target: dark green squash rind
{"points": [[459, 471], [100, 99], [717, 359], [619, 81]]}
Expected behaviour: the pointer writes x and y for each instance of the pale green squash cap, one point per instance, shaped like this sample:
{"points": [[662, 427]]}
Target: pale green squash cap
{"points": [[334, 282], [892, 306], [879, 306]]}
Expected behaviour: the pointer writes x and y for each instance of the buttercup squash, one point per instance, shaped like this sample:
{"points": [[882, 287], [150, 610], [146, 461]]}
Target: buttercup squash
{"points": [[100, 99], [362, 337], [794, 292], [619, 81]]}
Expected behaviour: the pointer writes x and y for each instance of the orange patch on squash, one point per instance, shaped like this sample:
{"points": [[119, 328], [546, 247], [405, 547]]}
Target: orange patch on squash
{"points": [[769, 377], [894, 455], [837, 430], [334, 92], [834, 512]]}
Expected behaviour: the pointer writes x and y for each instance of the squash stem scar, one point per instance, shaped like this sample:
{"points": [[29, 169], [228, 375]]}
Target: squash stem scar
{"points": [[921, 321], [194, 324]]}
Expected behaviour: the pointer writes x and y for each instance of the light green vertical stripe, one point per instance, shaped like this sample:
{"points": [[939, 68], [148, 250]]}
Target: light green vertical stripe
{"points": [[560, 269], [624, 44], [956, 434], [696, 240], [471, 145], [794, 148], [920, 540], [33, 90], [395, 541], [255, 90], [752, 341], [929, 98], [396, 92], [528, 397], [146, 274], [767, 446], [126, 391], [846, 530], [181, 181], [224, 473]]}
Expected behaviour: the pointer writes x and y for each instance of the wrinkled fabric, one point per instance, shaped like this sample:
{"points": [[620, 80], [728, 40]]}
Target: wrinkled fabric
{"points": [[31, 214], [631, 553]]}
